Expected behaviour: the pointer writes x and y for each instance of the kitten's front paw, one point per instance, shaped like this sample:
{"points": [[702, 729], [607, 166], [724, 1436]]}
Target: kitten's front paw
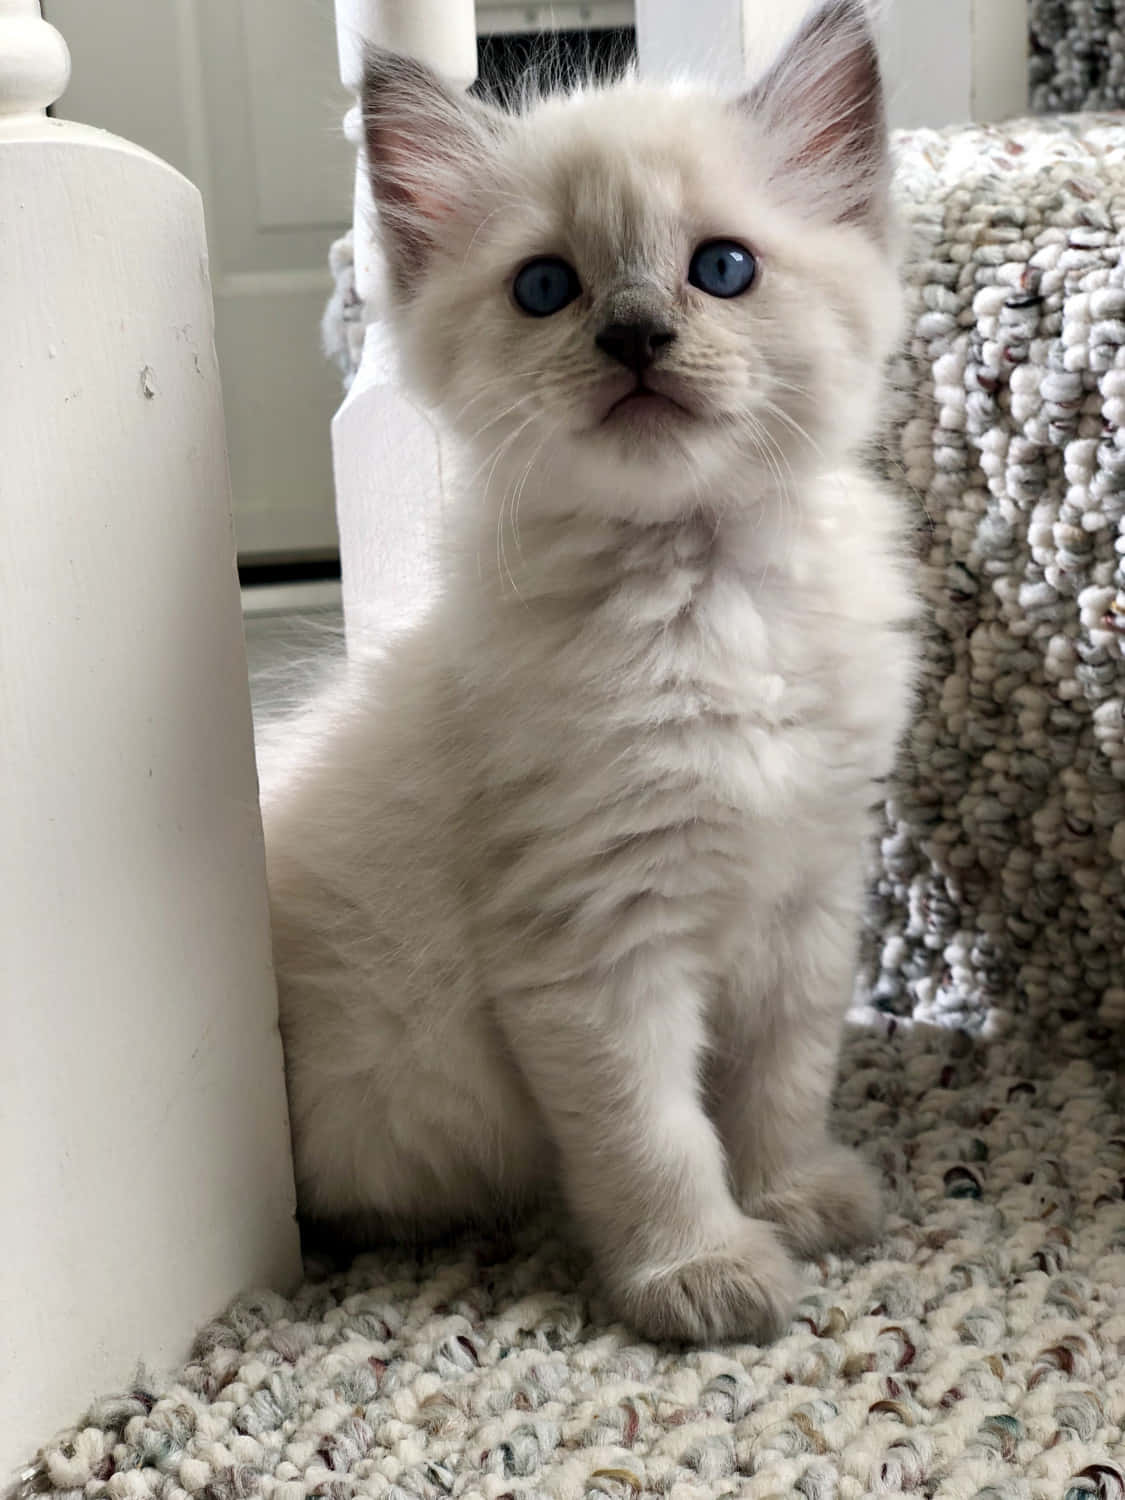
{"points": [[829, 1202], [745, 1289]]}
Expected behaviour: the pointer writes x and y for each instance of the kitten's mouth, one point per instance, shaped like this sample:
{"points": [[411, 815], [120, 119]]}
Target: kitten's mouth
{"points": [[644, 401]]}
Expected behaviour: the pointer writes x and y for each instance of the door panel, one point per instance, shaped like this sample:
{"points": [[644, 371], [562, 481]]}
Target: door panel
{"points": [[242, 96]]}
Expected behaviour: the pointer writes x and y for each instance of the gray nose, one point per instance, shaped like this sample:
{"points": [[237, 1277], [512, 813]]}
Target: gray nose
{"points": [[635, 344]]}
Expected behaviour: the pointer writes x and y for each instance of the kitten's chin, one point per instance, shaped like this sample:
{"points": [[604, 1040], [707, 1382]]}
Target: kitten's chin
{"points": [[645, 465], [644, 415]]}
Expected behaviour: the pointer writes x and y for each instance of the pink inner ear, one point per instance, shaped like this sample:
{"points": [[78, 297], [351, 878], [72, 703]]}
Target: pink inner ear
{"points": [[822, 101], [848, 100], [425, 145], [408, 176]]}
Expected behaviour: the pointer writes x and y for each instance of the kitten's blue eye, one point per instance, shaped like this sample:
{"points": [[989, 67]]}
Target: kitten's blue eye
{"points": [[722, 268], [545, 286]]}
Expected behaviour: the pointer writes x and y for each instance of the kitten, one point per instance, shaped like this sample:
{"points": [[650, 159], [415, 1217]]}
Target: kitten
{"points": [[566, 885]]}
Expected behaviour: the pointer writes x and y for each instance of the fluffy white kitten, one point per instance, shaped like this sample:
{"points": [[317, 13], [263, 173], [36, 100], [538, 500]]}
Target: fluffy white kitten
{"points": [[566, 886]]}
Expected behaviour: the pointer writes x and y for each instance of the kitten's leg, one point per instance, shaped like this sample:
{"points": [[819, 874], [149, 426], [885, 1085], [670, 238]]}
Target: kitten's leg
{"points": [[614, 1066], [778, 1048]]}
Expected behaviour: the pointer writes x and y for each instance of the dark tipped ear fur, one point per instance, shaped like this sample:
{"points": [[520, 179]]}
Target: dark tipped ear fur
{"points": [[822, 103], [426, 147]]}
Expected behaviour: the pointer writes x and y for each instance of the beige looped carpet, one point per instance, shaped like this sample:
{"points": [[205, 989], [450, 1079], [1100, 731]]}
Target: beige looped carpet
{"points": [[979, 1352]]}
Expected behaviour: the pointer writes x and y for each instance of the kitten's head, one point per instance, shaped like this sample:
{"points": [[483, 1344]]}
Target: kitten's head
{"points": [[650, 298]]}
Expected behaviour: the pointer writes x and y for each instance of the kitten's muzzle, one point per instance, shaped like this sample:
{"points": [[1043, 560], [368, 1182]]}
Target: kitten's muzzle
{"points": [[636, 344]]}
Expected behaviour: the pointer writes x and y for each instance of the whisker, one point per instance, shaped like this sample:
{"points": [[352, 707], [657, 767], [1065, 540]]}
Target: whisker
{"points": [[516, 495], [791, 422], [503, 568]]}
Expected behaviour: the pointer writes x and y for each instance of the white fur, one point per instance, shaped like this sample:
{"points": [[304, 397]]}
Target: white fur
{"points": [[566, 885]]}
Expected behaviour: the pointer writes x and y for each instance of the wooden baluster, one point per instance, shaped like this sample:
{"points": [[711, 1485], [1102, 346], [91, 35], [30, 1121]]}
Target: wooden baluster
{"points": [[34, 62], [386, 450], [961, 62], [721, 40], [145, 1173]]}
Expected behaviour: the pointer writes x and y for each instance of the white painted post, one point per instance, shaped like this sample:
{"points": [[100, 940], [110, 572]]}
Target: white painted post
{"points": [[946, 64], [386, 451], [722, 40], [955, 63], [144, 1165]]}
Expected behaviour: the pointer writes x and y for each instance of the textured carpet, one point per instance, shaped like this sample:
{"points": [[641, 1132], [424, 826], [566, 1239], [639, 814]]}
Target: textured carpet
{"points": [[1001, 885], [980, 1352], [1077, 54]]}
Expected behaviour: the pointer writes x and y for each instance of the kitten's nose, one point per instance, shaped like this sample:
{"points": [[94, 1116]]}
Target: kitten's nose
{"points": [[635, 345]]}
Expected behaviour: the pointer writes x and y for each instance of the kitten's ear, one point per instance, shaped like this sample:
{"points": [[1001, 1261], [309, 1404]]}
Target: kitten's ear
{"points": [[426, 149], [821, 105]]}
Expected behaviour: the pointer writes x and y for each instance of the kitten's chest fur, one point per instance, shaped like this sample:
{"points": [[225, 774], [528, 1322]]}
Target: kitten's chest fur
{"points": [[680, 729]]}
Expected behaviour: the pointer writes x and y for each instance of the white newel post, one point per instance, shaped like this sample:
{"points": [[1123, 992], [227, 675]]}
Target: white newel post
{"points": [[945, 64], [144, 1165], [386, 451]]}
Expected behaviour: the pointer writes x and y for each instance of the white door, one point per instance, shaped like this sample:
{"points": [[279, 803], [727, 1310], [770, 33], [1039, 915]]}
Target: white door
{"points": [[243, 97]]}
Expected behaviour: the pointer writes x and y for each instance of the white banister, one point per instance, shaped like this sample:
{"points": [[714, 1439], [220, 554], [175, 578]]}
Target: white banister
{"points": [[962, 61], [144, 1166], [34, 62], [386, 451], [945, 64], [723, 40]]}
